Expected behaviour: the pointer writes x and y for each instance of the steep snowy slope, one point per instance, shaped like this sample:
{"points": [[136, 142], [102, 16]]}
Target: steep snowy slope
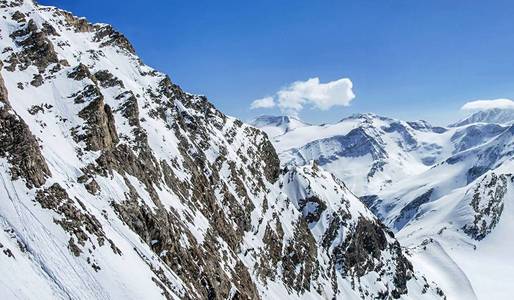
{"points": [[116, 184], [469, 228]]}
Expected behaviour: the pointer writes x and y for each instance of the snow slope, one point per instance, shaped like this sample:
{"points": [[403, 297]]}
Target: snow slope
{"points": [[469, 228], [458, 213]]}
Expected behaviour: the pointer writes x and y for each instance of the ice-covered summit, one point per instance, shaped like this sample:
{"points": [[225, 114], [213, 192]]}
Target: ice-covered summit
{"points": [[491, 116]]}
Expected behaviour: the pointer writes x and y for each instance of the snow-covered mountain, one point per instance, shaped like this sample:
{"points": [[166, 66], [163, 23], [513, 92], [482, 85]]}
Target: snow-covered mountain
{"points": [[277, 125], [117, 184], [459, 214], [447, 192], [461, 170], [368, 152], [494, 115]]}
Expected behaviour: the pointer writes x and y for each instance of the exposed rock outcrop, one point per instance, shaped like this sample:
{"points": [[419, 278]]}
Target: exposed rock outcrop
{"points": [[19, 146], [101, 130], [487, 203], [37, 49]]}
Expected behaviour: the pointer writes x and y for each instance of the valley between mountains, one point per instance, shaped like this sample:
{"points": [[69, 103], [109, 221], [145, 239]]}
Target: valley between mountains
{"points": [[117, 184]]}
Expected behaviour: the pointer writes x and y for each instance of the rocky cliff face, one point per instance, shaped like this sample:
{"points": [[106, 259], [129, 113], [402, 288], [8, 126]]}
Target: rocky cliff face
{"points": [[118, 184], [487, 203]]}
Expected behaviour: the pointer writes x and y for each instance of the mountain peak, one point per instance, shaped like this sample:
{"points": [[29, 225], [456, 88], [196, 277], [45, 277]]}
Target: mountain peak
{"points": [[367, 117], [270, 119], [494, 115], [277, 125]]}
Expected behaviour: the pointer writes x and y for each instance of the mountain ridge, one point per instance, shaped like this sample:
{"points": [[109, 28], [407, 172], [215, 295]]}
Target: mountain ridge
{"points": [[494, 115], [120, 185]]}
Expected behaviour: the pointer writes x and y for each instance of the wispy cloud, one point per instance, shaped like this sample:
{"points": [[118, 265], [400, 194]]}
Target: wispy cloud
{"points": [[266, 102], [488, 104], [299, 94]]}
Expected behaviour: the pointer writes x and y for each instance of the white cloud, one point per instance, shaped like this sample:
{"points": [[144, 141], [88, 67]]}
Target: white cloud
{"points": [[294, 97], [266, 102], [488, 104]]}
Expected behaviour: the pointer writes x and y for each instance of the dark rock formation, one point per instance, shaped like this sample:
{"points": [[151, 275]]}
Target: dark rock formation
{"points": [[78, 222], [410, 210], [107, 36], [19, 146], [100, 130], [78, 24], [37, 49], [312, 208], [300, 259], [80, 72], [106, 79], [487, 203], [363, 254]]}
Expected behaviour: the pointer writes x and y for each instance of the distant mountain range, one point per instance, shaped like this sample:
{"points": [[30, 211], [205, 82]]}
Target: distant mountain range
{"points": [[448, 192]]}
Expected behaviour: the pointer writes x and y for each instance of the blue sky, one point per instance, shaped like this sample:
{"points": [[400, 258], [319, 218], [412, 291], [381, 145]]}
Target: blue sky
{"points": [[407, 59]]}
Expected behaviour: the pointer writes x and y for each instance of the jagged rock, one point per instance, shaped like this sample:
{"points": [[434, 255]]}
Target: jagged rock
{"points": [[270, 158], [10, 3], [129, 108], [35, 109], [487, 204], [88, 94], [19, 146], [19, 17], [107, 36], [312, 208], [299, 260], [37, 49], [80, 72], [37, 80], [78, 24], [363, 247], [107, 80], [77, 221], [49, 29], [92, 187], [100, 128], [194, 263], [363, 255], [274, 247]]}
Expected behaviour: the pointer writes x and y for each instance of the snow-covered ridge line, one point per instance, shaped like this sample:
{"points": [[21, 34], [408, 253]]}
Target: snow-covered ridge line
{"points": [[371, 152], [495, 115]]}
